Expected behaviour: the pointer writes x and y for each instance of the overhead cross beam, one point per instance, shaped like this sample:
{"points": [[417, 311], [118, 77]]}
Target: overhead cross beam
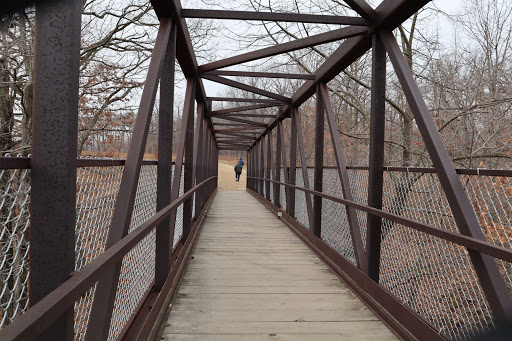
{"points": [[246, 87], [294, 45], [248, 100], [271, 16], [258, 74], [245, 108], [234, 119]]}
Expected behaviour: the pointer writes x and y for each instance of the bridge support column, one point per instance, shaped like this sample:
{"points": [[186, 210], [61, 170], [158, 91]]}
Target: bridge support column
{"points": [[280, 152], [268, 175], [376, 157], [261, 170], [319, 164], [164, 168], [293, 164], [54, 143]]}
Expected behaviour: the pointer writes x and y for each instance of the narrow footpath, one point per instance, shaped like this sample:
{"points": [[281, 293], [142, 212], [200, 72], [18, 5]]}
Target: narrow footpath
{"points": [[251, 278]]}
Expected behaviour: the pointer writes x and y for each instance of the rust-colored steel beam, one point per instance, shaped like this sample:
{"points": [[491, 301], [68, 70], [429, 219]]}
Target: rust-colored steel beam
{"points": [[363, 9], [188, 169], [243, 115], [486, 268], [248, 100], [246, 108], [270, 157], [319, 163], [246, 87], [304, 166], [232, 148], [271, 16], [198, 157], [53, 175], [244, 129], [228, 134], [262, 165], [164, 169], [376, 158], [103, 305], [277, 166], [241, 120], [293, 45], [259, 74], [355, 230], [188, 115], [293, 164]]}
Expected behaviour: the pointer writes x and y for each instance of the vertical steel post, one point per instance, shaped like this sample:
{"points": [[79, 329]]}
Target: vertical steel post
{"points": [[284, 162], [262, 164], [248, 183], [164, 167], [204, 153], [376, 157], [293, 163], [188, 169], [277, 171], [319, 164], [188, 115], [268, 176], [198, 156], [54, 143]]}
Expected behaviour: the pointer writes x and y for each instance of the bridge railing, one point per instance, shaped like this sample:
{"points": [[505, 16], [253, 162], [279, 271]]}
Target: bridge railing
{"points": [[98, 184], [424, 264]]}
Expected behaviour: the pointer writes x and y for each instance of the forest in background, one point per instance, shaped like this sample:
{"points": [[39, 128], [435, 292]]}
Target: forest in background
{"points": [[465, 82]]}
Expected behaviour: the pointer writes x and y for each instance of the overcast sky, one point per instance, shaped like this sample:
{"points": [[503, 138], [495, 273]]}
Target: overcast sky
{"points": [[450, 7]]}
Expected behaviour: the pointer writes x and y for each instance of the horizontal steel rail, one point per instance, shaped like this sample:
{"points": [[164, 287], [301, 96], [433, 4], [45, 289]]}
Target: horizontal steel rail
{"points": [[26, 162], [468, 242]]}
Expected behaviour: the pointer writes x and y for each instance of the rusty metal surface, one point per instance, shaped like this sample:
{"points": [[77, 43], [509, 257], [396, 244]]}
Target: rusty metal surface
{"points": [[53, 169]]}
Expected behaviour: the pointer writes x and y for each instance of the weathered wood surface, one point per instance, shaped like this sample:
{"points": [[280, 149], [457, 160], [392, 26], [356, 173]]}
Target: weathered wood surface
{"points": [[250, 278]]}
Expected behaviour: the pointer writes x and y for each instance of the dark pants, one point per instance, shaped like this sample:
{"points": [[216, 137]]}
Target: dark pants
{"points": [[238, 176]]}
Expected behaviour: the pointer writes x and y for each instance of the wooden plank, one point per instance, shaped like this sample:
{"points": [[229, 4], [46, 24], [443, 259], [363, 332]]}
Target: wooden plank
{"points": [[250, 278]]}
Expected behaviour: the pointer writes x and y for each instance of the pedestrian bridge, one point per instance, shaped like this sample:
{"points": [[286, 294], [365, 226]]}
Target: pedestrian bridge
{"points": [[133, 249]]}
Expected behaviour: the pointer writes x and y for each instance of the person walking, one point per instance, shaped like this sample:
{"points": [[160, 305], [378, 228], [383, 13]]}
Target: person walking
{"points": [[241, 162], [238, 171]]}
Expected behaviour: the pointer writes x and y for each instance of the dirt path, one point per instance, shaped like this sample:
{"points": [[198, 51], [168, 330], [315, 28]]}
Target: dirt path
{"points": [[227, 177]]}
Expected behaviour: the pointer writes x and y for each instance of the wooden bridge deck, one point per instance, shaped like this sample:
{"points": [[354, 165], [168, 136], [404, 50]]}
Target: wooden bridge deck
{"points": [[251, 278]]}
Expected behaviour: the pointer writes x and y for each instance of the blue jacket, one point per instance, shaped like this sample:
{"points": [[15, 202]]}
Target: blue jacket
{"points": [[241, 162]]}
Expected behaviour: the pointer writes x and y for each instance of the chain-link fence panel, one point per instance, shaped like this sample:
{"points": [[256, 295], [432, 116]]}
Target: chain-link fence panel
{"points": [[97, 189], [335, 227], [138, 266], [454, 301], [282, 191], [14, 243], [178, 227]]}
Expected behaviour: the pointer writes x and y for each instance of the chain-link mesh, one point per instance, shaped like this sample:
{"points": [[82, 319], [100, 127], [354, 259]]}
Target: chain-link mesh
{"points": [[335, 227], [138, 266], [282, 191], [416, 257], [178, 229], [97, 189], [14, 243], [432, 276]]}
